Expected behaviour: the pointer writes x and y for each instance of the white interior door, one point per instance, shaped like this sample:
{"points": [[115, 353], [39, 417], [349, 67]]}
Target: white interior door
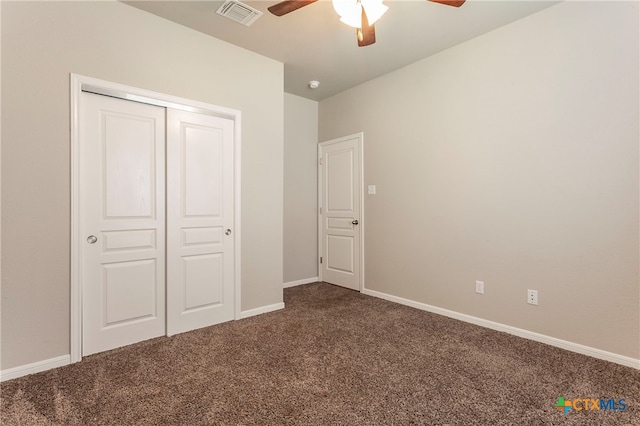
{"points": [[200, 251], [122, 215], [340, 214]]}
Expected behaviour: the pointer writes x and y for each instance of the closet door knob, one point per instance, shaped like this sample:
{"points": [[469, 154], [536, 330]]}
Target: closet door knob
{"points": [[91, 239], [227, 232]]}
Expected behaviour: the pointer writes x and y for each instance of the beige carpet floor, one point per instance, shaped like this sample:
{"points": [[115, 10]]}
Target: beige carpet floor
{"points": [[331, 357]]}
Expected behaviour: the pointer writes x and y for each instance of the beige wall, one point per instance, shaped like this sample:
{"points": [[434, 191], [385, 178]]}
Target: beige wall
{"points": [[41, 44], [513, 159], [300, 184]]}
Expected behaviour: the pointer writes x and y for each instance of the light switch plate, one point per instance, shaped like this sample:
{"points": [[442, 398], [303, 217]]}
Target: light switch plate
{"points": [[371, 190]]}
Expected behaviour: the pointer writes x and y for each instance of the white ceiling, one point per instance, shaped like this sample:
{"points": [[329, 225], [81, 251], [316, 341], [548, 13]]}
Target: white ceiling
{"points": [[314, 45]]}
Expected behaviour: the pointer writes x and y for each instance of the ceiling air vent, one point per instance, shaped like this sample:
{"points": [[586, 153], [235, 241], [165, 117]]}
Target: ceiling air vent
{"points": [[239, 12]]}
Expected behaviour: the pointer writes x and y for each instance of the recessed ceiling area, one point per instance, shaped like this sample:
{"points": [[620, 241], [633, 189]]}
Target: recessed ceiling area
{"points": [[314, 45]]}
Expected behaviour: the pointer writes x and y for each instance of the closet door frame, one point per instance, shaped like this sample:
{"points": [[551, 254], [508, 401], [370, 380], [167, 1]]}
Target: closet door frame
{"points": [[79, 84]]}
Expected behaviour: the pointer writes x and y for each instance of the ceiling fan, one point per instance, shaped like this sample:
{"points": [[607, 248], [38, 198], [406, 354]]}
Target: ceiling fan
{"points": [[360, 14]]}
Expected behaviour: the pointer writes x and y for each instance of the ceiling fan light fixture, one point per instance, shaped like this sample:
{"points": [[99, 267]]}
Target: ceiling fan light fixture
{"points": [[374, 10], [350, 11], [360, 14]]}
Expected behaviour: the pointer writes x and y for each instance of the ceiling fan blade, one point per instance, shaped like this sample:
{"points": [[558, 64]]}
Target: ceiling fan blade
{"points": [[287, 6], [366, 34], [454, 3]]}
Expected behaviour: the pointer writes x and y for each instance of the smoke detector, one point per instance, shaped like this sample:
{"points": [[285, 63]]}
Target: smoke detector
{"points": [[314, 84], [239, 12]]}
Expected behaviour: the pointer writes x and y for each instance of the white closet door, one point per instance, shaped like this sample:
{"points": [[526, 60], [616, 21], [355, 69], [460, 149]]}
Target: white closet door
{"points": [[122, 214], [200, 262]]}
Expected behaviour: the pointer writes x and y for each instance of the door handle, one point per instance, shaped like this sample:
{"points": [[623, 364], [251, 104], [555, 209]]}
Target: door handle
{"points": [[227, 232], [91, 239], [354, 222]]}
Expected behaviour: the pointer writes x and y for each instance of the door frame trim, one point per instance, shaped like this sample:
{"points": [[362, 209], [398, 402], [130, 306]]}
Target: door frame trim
{"points": [[80, 83], [360, 160]]}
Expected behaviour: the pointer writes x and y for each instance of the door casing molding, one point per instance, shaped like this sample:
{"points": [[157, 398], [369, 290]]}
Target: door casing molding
{"points": [[80, 83], [321, 145]]}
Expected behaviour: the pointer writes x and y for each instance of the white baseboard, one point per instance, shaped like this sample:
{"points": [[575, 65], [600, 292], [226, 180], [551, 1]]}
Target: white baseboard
{"points": [[300, 282], [559, 343], [261, 310], [36, 367], [48, 364]]}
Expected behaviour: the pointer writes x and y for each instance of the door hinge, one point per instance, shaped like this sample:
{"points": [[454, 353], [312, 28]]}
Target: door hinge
{"points": [[320, 259], [320, 161]]}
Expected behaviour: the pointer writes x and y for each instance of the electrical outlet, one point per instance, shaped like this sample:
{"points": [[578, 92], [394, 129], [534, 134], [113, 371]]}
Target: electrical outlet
{"points": [[532, 297], [480, 287]]}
